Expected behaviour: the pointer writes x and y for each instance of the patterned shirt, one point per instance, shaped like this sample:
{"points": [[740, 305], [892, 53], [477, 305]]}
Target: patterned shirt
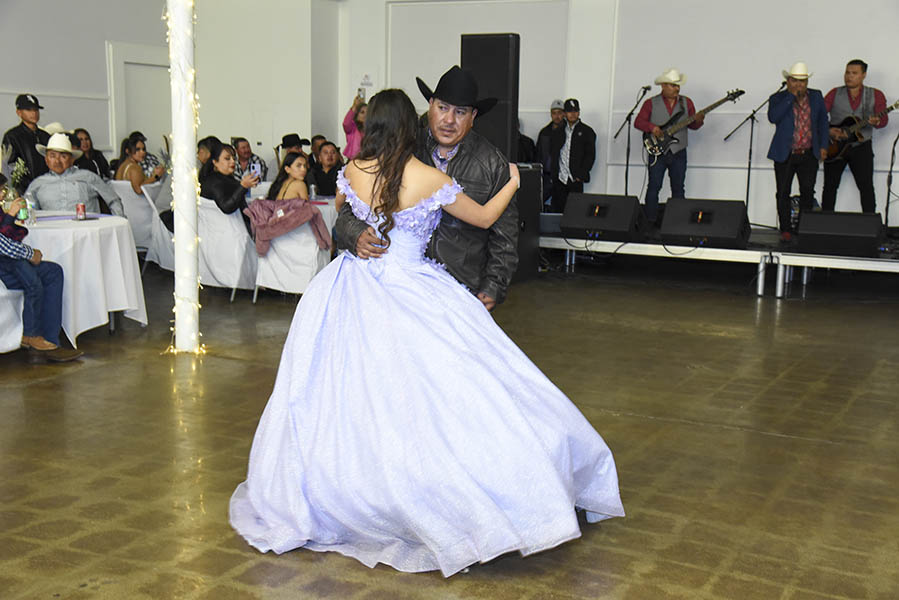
{"points": [[564, 171], [802, 124], [62, 192], [441, 162], [13, 249], [254, 160], [148, 164]]}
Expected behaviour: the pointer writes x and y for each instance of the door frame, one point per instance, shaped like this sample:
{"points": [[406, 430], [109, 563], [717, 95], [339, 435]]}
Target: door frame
{"points": [[118, 54]]}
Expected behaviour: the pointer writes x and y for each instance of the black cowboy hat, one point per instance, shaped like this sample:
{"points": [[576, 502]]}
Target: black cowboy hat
{"points": [[458, 87], [292, 139]]}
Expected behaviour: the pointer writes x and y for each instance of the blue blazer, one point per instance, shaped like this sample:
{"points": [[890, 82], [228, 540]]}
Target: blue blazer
{"points": [[780, 112]]}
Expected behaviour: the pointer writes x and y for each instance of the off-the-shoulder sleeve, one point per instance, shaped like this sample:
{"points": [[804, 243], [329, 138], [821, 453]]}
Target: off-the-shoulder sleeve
{"points": [[447, 194]]}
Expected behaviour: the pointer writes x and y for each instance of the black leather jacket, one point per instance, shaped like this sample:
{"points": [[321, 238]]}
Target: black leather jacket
{"points": [[22, 141], [228, 194], [484, 260]]}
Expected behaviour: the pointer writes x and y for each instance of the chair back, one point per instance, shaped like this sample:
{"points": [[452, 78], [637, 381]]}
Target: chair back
{"points": [[160, 193], [140, 215], [227, 254]]}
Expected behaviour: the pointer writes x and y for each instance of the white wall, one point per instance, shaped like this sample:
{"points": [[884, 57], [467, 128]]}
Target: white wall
{"points": [[69, 78], [326, 106], [253, 70]]}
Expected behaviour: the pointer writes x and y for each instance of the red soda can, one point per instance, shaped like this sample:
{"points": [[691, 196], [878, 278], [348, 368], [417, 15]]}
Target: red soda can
{"points": [[80, 213]]}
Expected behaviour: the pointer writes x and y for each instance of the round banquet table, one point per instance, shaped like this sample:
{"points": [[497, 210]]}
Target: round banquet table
{"points": [[99, 260]]}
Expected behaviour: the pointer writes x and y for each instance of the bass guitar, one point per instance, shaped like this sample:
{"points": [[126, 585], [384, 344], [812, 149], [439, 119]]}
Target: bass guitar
{"points": [[852, 126], [658, 146]]}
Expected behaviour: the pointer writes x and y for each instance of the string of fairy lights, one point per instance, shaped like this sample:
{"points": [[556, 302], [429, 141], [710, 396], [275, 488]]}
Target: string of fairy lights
{"points": [[180, 17]]}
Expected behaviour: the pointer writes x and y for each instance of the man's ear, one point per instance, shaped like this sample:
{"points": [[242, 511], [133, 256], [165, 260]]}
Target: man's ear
{"points": [[474, 113]]}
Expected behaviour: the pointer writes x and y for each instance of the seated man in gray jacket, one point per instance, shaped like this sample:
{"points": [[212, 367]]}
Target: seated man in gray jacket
{"points": [[66, 185], [483, 260]]}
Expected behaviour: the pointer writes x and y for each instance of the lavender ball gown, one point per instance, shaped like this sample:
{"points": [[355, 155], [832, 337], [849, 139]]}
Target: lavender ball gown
{"points": [[406, 428]]}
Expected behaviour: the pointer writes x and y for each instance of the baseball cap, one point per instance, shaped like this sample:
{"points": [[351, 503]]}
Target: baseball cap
{"points": [[27, 101], [572, 104], [556, 104]]}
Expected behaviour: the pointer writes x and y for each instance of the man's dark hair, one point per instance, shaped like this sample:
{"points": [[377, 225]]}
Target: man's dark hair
{"points": [[859, 62], [317, 137], [237, 140], [208, 142]]}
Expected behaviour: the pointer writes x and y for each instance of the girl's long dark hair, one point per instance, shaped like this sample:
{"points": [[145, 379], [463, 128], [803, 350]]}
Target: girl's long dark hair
{"points": [[282, 177], [390, 130]]}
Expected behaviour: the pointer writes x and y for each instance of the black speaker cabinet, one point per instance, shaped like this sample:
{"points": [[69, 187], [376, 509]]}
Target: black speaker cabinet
{"points": [[603, 217], [711, 223], [840, 233], [529, 199], [493, 60]]}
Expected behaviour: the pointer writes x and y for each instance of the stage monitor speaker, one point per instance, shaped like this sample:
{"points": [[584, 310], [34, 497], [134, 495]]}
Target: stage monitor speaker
{"points": [[493, 60], [840, 233], [711, 223], [528, 200], [603, 217]]}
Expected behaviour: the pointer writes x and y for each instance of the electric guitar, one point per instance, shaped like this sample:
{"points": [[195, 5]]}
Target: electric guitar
{"points": [[852, 126], [658, 146]]}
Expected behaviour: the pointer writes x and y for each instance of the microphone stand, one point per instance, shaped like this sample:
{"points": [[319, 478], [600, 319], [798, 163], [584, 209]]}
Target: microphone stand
{"points": [[886, 221], [627, 122], [752, 120]]}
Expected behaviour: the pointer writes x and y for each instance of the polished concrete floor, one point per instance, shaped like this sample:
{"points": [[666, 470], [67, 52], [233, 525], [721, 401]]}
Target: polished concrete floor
{"points": [[757, 444]]}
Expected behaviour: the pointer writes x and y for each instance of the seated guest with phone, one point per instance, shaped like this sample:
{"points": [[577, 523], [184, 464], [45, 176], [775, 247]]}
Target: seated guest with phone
{"points": [[217, 182], [247, 162]]}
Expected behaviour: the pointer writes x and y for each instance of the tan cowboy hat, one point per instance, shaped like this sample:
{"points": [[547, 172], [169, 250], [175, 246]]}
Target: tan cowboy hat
{"points": [[56, 127], [671, 76], [798, 71], [59, 142]]}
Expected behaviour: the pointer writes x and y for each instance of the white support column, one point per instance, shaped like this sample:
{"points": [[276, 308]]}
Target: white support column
{"points": [[184, 173]]}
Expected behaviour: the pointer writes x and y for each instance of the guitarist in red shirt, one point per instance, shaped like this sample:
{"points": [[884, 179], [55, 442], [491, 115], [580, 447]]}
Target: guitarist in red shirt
{"points": [[669, 106], [848, 104]]}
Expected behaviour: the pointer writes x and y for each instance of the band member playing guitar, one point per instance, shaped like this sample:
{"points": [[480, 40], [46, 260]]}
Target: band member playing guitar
{"points": [[656, 112], [848, 105]]}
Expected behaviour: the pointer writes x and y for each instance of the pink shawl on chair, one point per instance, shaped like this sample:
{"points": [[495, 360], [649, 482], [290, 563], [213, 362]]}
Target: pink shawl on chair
{"points": [[267, 225]]}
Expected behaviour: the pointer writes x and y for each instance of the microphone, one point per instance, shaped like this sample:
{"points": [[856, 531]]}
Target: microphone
{"points": [[783, 84], [646, 88]]}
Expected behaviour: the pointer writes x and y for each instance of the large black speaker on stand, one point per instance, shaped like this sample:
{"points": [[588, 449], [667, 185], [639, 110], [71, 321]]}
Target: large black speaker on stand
{"points": [[603, 217], [529, 201], [841, 233], [711, 223], [493, 60]]}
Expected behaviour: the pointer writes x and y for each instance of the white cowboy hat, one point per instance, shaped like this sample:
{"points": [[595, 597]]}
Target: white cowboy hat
{"points": [[59, 142], [671, 76], [798, 71], [55, 127]]}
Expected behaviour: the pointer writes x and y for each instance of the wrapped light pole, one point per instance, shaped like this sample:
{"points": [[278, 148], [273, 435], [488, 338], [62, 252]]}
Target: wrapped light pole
{"points": [[180, 18]]}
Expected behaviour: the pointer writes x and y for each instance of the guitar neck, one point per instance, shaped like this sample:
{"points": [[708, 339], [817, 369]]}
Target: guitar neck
{"points": [[862, 124], [684, 123]]}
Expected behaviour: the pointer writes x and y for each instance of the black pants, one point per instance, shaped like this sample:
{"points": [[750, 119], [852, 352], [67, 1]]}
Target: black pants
{"points": [[561, 191], [861, 162], [805, 167]]}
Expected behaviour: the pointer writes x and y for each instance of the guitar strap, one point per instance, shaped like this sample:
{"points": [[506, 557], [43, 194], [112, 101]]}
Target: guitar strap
{"points": [[866, 97]]}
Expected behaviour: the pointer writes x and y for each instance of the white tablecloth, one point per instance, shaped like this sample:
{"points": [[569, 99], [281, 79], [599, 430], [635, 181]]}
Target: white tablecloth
{"points": [[99, 261], [11, 303]]}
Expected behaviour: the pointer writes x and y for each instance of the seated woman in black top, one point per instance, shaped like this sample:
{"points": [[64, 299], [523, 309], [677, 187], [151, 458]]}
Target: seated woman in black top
{"points": [[323, 174], [91, 160], [217, 182]]}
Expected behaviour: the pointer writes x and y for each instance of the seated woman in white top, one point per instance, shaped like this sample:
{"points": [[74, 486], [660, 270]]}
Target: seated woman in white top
{"points": [[133, 152]]}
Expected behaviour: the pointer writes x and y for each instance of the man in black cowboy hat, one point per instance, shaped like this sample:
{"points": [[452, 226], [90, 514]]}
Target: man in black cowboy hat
{"points": [[484, 260], [23, 138]]}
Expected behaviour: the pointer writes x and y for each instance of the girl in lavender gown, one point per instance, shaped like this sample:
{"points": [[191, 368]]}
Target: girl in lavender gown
{"points": [[405, 427]]}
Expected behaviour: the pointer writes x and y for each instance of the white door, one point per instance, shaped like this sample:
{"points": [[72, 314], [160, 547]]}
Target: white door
{"points": [[148, 103]]}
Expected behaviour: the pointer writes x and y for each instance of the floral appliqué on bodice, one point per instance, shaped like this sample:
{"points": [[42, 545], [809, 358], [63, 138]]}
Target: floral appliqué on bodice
{"points": [[418, 221]]}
